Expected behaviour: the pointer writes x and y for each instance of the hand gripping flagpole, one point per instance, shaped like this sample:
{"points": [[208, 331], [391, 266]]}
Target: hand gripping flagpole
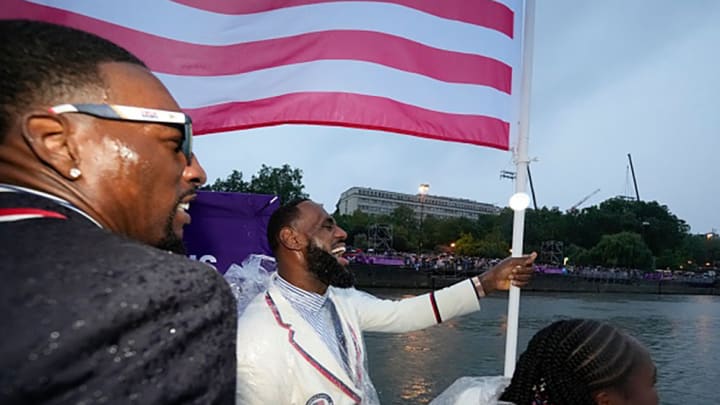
{"points": [[520, 200]]}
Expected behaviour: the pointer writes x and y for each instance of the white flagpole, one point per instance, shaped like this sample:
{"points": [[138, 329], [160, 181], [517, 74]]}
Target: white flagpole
{"points": [[521, 162]]}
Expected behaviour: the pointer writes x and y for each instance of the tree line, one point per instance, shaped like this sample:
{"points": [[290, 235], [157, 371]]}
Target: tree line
{"points": [[284, 182], [616, 233]]}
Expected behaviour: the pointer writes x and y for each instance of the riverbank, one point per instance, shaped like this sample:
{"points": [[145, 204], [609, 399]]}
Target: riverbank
{"points": [[377, 276]]}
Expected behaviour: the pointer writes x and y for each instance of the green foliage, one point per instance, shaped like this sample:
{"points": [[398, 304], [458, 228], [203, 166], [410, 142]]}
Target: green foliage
{"points": [[624, 249], [285, 182], [669, 259], [443, 232], [491, 245], [467, 245], [578, 256], [406, 229], [543, 225], [495, 245], [234, 183], [659, 228], [356, 226], [360, 241], [701, 251]]}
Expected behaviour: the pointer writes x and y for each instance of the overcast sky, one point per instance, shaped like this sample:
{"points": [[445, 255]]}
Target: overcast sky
{"points": [[610, 78]]}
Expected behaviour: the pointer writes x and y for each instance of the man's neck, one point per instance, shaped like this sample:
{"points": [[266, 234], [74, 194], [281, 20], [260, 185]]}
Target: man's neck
{"points": [[302, 278]]}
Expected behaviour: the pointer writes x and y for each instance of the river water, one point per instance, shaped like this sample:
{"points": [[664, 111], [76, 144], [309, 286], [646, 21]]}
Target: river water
{"points": [[682, 333]]}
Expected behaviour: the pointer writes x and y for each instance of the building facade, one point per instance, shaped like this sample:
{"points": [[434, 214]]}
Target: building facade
{"points": [[380, 202]]}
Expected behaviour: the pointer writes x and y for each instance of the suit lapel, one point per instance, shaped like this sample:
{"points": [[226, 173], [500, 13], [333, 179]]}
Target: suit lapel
{"points": [[306, 342]]}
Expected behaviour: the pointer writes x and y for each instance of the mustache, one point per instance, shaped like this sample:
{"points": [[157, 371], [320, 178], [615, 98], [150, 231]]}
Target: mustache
{"points": [[192, 192]]}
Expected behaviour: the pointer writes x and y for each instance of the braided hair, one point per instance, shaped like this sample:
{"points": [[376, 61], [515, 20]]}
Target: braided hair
{"points": [[569, 360]]}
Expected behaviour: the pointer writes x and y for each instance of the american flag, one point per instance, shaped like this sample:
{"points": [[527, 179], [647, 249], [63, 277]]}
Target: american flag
{"points": [[441, 69]]}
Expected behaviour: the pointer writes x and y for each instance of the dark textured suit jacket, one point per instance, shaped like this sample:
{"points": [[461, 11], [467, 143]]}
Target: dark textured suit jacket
{"points": [[91, 317]]}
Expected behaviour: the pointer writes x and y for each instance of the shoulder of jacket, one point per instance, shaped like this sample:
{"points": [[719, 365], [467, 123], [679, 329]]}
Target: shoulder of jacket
{"points": [[257, 314]]}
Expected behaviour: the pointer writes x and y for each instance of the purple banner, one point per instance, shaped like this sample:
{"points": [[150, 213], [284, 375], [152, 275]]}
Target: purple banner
{"points": [[227, 227]]}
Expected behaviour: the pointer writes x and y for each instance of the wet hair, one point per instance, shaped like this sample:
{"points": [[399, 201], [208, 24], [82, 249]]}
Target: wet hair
{"points": [[569, 360], [281, 218], [46, 64]]}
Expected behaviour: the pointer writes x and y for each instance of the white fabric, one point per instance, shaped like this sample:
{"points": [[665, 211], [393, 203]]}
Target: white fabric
{"points": [[322, 76], [207, 26], [282, 360], [474, 390]]}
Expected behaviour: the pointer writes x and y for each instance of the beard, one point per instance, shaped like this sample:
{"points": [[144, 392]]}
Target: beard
{"points": [[327, 269], [171, 241]]}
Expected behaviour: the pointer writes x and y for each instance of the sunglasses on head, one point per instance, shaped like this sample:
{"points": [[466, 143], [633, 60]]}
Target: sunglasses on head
{"points": [[135, 114]]}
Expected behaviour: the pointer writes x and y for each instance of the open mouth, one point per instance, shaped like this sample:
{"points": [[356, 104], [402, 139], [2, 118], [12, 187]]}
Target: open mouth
{"points": [[182, 209], [338, 253], [184, 204]]}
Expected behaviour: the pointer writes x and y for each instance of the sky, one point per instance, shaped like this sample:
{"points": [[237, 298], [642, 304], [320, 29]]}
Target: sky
{"points": [[609, 78]]}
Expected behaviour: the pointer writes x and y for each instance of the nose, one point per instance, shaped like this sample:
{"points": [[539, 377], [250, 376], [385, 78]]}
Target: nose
{"points": [[340, 233], [194, 173]]}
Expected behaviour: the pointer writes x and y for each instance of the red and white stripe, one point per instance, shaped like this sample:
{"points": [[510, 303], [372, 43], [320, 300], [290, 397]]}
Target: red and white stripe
{"points": [[21, 214], [437, 69]]}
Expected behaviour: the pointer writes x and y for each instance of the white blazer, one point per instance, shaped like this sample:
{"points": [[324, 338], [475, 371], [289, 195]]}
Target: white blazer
{"points": [[282, 360]]}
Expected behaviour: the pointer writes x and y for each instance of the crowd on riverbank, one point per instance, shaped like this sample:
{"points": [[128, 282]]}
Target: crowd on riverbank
{"points": [[459, 265]]}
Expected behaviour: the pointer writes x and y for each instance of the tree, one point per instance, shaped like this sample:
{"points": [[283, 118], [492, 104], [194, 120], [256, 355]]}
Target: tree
{"points": [[285, 182], [405, 228], [494, 244], [543, 225], [444, 232], [659, 228], [467, 245], [356, 226], [233, 183], [578, 255], [624, 249]]}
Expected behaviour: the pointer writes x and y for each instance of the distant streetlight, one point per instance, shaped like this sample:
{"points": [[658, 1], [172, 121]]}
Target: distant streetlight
{"points": [[422, 190]]}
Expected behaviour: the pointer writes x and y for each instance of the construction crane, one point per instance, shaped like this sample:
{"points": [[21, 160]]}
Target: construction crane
{"points": [[577, 204], [632, 169]]}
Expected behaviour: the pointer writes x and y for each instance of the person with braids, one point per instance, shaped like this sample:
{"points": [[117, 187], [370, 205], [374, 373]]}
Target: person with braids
{"points": [[96, 175], [583, 362]]}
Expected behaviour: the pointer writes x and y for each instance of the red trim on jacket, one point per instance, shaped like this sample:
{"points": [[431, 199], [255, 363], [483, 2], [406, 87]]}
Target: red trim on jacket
{"points": [[435, 309], [291, 338], [19, 214]]}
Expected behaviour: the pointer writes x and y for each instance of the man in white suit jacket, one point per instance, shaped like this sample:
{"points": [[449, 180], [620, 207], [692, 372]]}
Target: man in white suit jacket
{"points": [[301, 341]]}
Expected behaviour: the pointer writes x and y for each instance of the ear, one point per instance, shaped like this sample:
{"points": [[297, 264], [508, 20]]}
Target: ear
{"points": [[291, 239], [603, 398], [47, 136]]}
